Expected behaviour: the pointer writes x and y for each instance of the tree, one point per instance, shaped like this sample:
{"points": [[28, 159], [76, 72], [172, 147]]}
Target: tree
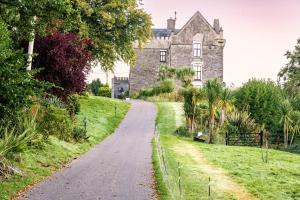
{"points": [[17, 86], [66, 62], [113, 26], [94, 86], [295, 129], [261, 99], [286, 121], [226, 101], [290, 74], [213, 89]]}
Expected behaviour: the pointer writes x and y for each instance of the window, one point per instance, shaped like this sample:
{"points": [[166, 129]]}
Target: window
{"points": [[198, 71], [163, 54], [197, 49]]}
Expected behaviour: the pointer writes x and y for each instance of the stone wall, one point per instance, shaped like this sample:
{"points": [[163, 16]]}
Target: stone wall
{"points": [[179, 48], [145, 73]]}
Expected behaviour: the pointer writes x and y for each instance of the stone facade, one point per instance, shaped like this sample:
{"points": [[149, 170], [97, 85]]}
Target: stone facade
{"points": [[179, 46], [120, 87]]}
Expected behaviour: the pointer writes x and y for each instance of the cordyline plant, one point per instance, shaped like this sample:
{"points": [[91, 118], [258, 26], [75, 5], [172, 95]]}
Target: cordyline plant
{"points": [[65, 59]]}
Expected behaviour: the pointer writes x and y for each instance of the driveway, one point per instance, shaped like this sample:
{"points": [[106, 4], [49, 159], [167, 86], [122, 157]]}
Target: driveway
{"points": [[120, 167]]}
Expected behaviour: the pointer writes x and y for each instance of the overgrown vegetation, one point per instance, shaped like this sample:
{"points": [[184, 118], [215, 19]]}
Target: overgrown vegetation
{"points": [[27, 163]]}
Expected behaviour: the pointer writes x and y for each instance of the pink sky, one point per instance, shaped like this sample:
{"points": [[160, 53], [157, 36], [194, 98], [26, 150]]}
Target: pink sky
{"points": [[258, 32]]}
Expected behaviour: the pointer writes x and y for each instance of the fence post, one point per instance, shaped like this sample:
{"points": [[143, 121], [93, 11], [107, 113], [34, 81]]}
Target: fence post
{"points": [[115, 110], [226, 139], [261, 138], [179, 181], [209, 190]]}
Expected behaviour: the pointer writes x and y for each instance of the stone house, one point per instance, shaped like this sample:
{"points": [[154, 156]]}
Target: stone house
{"points": [[197, 44]]}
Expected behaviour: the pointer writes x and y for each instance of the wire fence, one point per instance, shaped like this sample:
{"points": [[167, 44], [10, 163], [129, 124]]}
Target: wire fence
{"points": [[173, 173]]}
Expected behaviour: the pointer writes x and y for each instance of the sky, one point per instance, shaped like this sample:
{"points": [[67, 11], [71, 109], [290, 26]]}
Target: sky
{"points": [[257, 32]]}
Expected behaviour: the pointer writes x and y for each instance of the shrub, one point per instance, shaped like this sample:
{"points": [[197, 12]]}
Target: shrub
{"points": [[104, 91], [165, 86], [79, 133], [262, 100], [73, 105], [94, 86], [17, 85], [55, 121], [65, 59], [240, 123]]}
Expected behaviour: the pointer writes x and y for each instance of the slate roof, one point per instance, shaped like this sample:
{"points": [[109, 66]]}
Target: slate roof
{"points": [[163, 32]]}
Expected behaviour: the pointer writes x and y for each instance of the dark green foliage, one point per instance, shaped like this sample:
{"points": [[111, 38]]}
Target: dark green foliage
{"points": [[240, 123], [73, 105], [105, 91], [94, 86], [17, 86], [165, 86], [162, 87], [55, 121], [262, 99], [183, 131], [79, 133], [290, 74]]}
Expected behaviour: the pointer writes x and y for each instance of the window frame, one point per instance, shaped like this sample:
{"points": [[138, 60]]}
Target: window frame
{"points": [[163, 57], [197, 49], [198, 69]]}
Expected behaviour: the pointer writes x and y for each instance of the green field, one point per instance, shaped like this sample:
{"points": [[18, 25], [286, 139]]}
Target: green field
{"points": [[236, 172], [36, 164]]}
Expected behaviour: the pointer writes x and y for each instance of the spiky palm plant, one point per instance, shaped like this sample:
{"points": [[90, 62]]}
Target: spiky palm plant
{"points": [[213, 89], [226, 104], [286, 121]]}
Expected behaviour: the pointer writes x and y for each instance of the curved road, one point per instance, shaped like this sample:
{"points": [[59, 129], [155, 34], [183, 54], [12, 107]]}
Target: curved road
{"points": [[120, 167]]}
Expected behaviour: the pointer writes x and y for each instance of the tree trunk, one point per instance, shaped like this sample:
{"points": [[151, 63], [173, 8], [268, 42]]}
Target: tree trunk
{"points": [[285, 136], [223, 116], [210, 127]]}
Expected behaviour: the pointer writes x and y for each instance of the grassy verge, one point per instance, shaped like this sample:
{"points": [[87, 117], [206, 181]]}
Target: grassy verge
{"points": [[193, 181], [37, 164], [278, 179]]}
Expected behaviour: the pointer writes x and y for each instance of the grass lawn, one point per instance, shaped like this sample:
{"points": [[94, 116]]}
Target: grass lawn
{"points": [[37, 164], [243, 166]]}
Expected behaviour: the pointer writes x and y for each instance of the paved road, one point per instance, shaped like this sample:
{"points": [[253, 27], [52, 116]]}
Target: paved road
{"points": [[120, 167]]}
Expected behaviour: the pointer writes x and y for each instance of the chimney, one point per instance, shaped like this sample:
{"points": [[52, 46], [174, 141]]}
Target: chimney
{"points": [[171, 24], [217, 25]]}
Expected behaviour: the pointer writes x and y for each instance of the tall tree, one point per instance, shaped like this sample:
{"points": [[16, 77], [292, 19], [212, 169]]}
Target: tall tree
{"points": [[113, 26], [290, 74], [286, 121], [226, 103], [213, 89]]}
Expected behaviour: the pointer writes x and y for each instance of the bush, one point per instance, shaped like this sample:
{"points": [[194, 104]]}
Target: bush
{"points": [[65, 59], [79, 133], [162, 87], [105, 91], [240, 123], [261, 99], [183, 132], [55, 121], [17, 85], [73, 105], [165, 86], [94, 86]]}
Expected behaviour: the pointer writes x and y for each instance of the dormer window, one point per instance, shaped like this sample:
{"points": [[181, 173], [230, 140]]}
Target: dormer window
{"points": [[163, 54], [197, 49]]}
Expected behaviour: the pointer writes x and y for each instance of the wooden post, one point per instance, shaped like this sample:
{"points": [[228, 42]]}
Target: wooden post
{"points": [[261, 138], [226, 139]]}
